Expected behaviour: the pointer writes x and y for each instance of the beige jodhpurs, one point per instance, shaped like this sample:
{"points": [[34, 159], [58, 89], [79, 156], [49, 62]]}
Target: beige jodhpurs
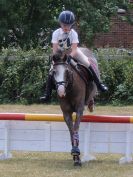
{"points": [[79, 56], [83, 59]]}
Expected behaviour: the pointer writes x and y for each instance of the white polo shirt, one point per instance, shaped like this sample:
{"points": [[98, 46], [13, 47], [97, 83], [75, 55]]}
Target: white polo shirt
{"points": [[64, 40]]}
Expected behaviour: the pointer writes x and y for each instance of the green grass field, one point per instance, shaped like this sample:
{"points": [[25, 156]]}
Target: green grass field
{"points": [[39, 164]]}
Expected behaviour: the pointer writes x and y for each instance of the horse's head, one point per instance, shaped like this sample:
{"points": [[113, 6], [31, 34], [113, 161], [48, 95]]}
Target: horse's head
{"points": [[61, 73]]}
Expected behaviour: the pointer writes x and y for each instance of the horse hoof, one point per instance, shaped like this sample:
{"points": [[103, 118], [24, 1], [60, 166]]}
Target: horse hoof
{"points": [[77, 164], [77, 161], [75, 151]]}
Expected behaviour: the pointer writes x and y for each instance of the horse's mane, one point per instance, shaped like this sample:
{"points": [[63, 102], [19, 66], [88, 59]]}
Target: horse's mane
{"points": [[59, 56]]}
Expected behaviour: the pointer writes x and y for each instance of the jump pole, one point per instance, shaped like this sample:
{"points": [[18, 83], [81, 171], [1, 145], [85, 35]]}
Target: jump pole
{"points": [[59, 118]]}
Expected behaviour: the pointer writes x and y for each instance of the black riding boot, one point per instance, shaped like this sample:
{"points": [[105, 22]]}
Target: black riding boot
{"points": [[48, 90], [99, 85]]}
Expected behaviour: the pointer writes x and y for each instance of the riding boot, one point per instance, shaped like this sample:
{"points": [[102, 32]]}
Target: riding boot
{"points": [[99, 85], [48, 90]]}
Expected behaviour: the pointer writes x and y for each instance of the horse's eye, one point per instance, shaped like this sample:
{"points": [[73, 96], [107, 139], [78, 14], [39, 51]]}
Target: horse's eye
{"points": [[54, 72]]}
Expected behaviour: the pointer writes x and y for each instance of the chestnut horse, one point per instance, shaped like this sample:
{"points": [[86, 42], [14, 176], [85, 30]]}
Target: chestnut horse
{"points": [[75, 88]]}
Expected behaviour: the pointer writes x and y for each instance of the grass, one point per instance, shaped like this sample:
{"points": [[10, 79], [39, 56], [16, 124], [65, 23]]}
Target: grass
{"points": [[39, 164], [40, 108], [60, 165]]}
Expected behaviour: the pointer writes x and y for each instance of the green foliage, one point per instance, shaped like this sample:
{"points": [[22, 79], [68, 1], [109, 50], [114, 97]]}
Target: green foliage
{"points": [[25, 18], [117, 73], [22, 76], [22, 20]]}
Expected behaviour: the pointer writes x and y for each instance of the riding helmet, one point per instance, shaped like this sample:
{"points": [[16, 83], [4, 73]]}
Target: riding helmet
{"points": [[67, 17]]}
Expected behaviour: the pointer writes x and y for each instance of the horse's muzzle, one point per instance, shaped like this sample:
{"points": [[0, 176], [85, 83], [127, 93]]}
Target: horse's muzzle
{"points": [[61, 91]]}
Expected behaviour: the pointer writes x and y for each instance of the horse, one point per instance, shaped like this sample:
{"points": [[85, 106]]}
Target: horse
{"points": [[75, 88]]}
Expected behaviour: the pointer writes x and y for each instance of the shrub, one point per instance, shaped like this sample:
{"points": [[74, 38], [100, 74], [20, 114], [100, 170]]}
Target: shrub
{"points": [[117, 73], [23, 75]]}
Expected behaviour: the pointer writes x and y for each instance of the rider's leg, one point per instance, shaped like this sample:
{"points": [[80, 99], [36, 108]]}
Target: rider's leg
{"points": [[84, 60], [48, 89]]}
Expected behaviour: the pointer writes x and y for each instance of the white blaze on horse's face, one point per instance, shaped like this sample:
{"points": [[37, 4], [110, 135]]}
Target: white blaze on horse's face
{"points": [[60, 80]]}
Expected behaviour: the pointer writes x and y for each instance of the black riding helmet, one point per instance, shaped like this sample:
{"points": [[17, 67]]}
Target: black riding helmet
{"points": [[67, 17]]}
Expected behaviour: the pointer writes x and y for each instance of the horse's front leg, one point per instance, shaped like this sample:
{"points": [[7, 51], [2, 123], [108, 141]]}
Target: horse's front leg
{"points": [[75, 149], [73, 129], [69, 122]]}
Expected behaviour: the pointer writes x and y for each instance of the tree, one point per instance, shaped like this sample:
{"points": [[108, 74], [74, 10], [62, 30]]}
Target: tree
{"points": [[93, 16], [22, 21], [25, 18]]}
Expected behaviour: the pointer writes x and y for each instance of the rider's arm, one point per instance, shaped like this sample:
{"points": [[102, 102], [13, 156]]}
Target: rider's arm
{"points": [[54, 41], [75, 42], [55, 47], [74, 49]]}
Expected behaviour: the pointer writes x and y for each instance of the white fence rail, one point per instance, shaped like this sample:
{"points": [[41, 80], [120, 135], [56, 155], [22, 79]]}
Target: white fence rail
{"points": [[54, 137]]}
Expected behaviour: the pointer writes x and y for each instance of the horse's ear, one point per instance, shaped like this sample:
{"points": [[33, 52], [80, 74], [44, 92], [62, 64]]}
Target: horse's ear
{"points": [[56, 57]]}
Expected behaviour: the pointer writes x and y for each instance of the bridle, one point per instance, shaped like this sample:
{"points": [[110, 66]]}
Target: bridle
{"points": [[68, 82]]}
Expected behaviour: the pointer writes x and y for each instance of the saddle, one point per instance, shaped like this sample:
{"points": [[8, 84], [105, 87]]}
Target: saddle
{"points": [[84, 73]]}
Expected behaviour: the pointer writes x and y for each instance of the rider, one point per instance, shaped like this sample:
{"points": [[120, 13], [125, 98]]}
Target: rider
{"points": [[66, 39]]}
